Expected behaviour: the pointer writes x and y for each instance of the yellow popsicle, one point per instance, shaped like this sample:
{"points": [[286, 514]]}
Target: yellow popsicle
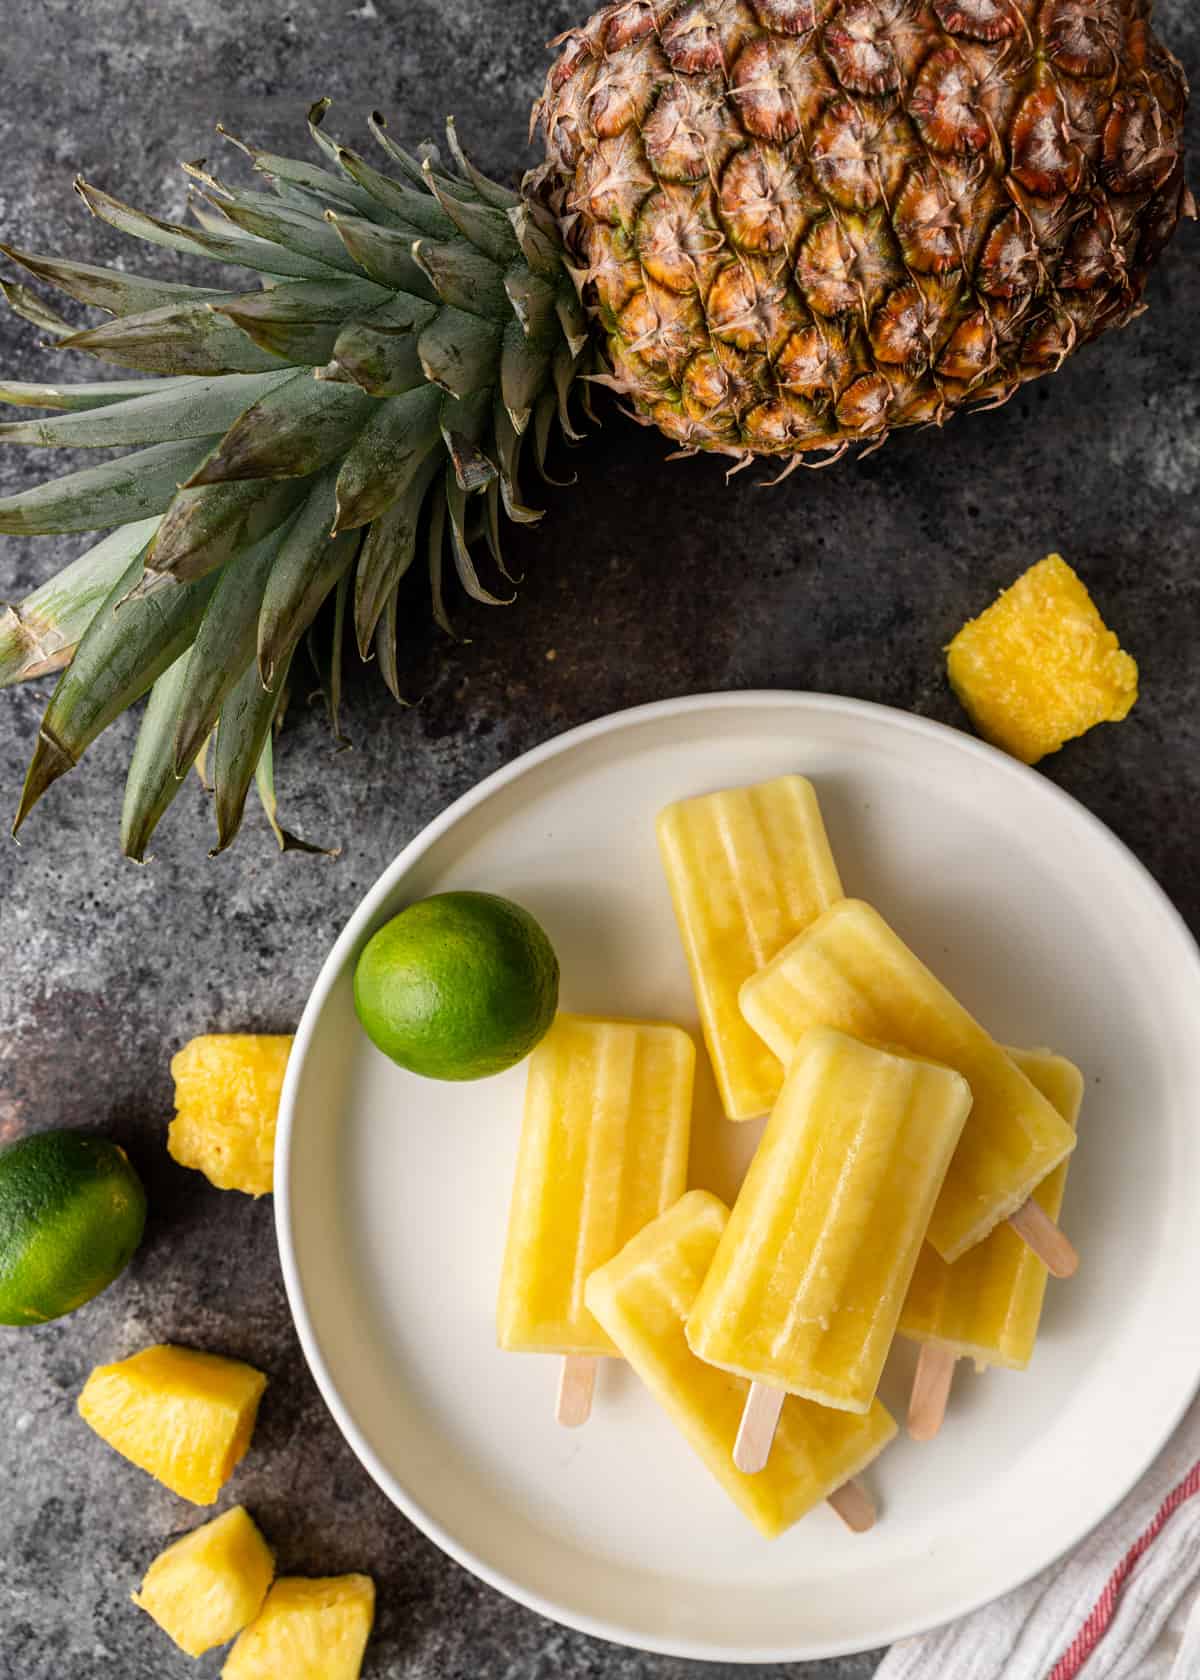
{"points": [[748, 869], [813, 1268], [850, 971], [988, 1305], [604, 1149], [643, 1298]]}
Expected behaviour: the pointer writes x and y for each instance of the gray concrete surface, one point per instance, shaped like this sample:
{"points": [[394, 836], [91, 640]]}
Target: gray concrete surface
{"points": [[645, 581]]}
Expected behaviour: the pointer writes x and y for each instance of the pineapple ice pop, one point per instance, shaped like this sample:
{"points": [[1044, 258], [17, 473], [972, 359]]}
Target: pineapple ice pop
{"points": [[643, 1297], [604, 1150], [748, 869], [850, 971], [986, 1306], [811, 1273]]}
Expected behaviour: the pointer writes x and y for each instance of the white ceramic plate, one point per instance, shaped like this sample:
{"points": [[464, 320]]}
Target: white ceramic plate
{"points": [[392, 1192]]}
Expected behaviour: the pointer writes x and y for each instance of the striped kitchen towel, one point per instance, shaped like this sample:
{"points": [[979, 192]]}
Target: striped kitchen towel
{"points": [[1125, 1605]]}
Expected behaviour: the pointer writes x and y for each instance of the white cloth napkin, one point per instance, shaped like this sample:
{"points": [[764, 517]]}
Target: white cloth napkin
{"points": [[1124, 1606]]}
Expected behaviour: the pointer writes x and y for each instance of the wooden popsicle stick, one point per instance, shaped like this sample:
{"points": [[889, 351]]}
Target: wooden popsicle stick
{"points": [[576, 1384], [1035, 1227], [756, 1432], [930, 1391], [854, 1505]]}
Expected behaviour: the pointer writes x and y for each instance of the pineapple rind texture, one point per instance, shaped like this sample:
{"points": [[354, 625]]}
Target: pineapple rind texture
{"points": [[804, 223], [308, 1629], [227, 1090], [1039, 667], [205, 1588], [184, 1416]]}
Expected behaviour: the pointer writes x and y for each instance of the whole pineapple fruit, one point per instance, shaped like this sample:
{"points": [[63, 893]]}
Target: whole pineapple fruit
{"points": [[777, 227], [804, 223]]}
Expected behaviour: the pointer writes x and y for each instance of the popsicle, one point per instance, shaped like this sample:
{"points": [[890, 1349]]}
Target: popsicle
{"points": [[604, 1150], [987, 1306], [806, 1286], [849, 970], [748, 868], [643, 1298]]}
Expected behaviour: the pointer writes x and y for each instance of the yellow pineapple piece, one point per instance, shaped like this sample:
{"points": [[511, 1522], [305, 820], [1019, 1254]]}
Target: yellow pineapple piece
{"points": [[307, 1630], [1039, 667], [183, 1416], [207, 1587], [227, 1089]]}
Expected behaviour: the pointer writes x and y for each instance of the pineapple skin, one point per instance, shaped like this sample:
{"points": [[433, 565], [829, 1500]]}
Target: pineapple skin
{"points": [[805, 223], [227, 1088], [308, 1629], [205, 1588], [183, 1416], [1039, 667]]}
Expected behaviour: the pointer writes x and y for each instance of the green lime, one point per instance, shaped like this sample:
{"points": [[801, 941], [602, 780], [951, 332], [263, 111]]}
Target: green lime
{"points": [[457, 986], [71, 1215]]}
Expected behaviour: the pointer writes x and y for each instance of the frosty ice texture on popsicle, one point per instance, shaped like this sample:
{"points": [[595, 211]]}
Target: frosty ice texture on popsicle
{"points": [[604, 1149], [813, 1268], [851, 971], [988, 1305], [748, 869], [643, 1298]]}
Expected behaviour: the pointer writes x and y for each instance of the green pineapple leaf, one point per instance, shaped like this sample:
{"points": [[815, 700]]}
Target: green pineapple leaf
{"points": [[302, 443]]}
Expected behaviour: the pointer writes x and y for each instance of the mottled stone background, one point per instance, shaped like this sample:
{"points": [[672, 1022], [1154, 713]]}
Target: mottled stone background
{"points": [[646, 580]]}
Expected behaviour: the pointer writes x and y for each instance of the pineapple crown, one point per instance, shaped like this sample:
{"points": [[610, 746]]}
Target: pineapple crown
{"points": [[367, 401]]}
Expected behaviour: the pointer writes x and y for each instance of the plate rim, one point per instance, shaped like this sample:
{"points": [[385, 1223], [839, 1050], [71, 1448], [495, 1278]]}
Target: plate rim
{"points": [[424, 840]]}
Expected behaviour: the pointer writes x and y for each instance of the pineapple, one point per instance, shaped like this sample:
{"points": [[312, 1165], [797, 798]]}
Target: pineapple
{"points": [[207, 1587], [307, 1630], [1039, 667], [227, 1095], [183, 1416], [780, 227], [805, 223]]}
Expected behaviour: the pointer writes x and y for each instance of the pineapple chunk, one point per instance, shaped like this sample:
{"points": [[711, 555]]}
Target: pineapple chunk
{"points": [[227, 1089], [307, 1630], [207, 1587], [185, 1417], [1039, 667]]}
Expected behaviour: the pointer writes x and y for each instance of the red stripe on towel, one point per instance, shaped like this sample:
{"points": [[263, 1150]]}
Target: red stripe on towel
{"points": [[1102, 1612]]}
